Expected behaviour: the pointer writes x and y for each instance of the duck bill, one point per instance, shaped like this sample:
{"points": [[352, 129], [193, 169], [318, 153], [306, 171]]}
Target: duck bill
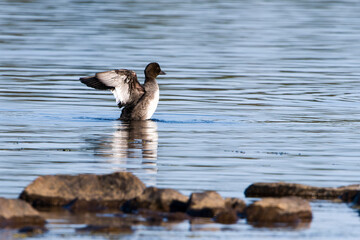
{"points": [[162, 73]]}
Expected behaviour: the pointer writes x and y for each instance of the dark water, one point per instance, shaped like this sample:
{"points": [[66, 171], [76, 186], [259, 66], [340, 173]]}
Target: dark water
{"points": [[255, 91]]}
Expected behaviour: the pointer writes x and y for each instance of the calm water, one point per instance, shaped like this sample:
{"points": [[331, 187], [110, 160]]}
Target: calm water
{"points": [[255, 91]]}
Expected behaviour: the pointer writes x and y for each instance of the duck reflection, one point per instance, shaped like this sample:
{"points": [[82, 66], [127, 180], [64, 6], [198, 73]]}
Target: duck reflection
{"points": [[135, 139], [129, 143]]}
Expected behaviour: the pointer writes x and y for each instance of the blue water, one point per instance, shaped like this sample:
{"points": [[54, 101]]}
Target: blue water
{"points": [[255, 91]]}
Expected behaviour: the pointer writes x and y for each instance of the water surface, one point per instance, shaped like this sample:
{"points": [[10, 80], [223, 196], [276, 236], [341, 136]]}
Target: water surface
{"points": [[255, 91]]}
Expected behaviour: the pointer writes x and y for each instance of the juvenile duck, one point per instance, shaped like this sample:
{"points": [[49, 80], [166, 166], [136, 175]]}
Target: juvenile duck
{"points": [[139, 101]]}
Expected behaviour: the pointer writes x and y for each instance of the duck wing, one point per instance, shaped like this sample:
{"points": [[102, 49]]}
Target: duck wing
{"points": [[123, 84]]}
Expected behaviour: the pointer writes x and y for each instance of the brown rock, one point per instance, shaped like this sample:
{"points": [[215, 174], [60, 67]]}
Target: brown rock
{"points": [[226, 216], [205, 204], [236, 204], [84, 191], [281, 189], [279, 210], [17, 213], [156, 199]]}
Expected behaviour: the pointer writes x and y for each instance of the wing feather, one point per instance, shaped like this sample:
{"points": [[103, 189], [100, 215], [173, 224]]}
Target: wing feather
{"points": [[123, 84], [94, 83]]}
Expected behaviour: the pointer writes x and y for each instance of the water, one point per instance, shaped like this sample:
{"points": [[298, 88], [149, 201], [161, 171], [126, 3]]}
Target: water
{"points": [[255, 91]]}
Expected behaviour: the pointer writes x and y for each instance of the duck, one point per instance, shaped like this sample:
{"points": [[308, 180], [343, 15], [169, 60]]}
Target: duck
{"points": [[138, 101]]}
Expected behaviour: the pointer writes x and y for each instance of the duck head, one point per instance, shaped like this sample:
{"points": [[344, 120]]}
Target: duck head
{"points": [[152, 70]]}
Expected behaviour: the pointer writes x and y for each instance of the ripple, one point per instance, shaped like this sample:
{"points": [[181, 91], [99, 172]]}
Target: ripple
{"points": [[254, 91]]}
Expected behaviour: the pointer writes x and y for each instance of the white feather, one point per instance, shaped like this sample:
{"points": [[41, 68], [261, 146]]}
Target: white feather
{"points": [[121, 93]]}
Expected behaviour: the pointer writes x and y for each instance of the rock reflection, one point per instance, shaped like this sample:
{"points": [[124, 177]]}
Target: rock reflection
{"points": [[298, 225]]}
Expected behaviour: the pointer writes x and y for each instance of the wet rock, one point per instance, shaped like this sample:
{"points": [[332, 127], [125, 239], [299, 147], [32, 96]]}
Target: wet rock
{"points": [[282, 189], [279, 210], [205, 204], [226, 216], [106, 229], [84, 191], [17, 213], [234, 207], [236, 204], [156, 199], [350, 196]]}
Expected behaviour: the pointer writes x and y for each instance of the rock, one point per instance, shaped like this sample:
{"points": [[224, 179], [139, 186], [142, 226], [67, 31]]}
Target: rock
{"points": [[351, 196], [234, 207], [281, 189], [205, 204], [106, 229], [17, 213], [226, 216], [84, 191], [279, 210], [156, 199], [236, 204]]}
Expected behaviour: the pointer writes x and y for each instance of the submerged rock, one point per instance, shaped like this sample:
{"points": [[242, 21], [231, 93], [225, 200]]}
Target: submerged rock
{"points": [[226, 216], [282, 189], [205, 204], [17, 213], [292, 210], [84, 191], [157, 199]]}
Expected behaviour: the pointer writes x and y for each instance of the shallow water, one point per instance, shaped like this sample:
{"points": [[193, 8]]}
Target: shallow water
{"points": [[255, 91]]}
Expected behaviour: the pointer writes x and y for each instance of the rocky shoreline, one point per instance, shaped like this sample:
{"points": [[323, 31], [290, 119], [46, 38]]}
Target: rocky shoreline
{"points": [[126, 198]]}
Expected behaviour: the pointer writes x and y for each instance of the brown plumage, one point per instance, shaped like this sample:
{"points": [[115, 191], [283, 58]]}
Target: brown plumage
{"points": [[139, 101]]}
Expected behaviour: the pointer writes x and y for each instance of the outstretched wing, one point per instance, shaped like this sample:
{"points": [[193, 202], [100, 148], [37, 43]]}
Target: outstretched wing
{"points": [[123, 84]]}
